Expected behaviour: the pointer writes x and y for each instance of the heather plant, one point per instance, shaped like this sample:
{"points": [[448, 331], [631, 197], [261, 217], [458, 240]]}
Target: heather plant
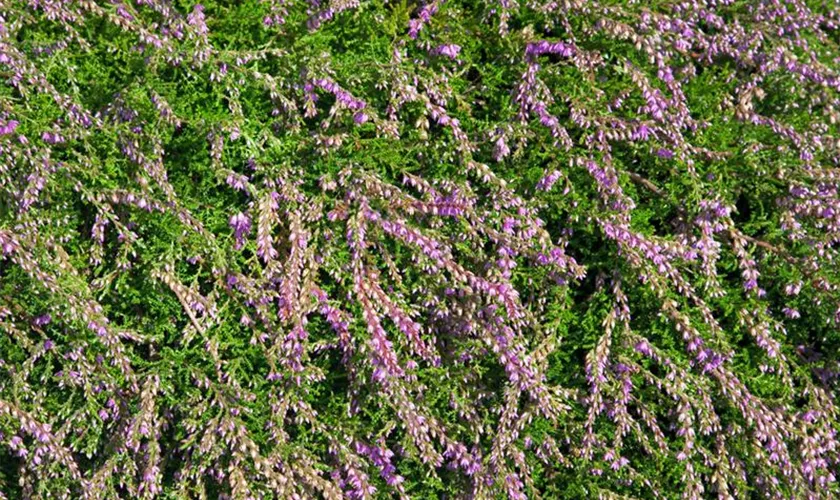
{"points": [[437, 249]]}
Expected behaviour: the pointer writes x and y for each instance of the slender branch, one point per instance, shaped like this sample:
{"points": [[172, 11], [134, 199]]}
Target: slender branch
{"points": [[733, 232]]}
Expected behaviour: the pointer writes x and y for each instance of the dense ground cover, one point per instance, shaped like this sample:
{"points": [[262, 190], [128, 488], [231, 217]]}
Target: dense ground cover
{"points": [[447, 249]]}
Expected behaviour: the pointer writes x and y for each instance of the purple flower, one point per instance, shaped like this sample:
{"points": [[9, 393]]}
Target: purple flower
{"points": [[793, 288], [666, 154], [241, 225], [196, 19], [42, 320], [423, 17], [544, 47], [501, 149], [8, 127], [791, 313], [360, 118], [641, 133], [449, 50], [547, 182], [52, 138]]}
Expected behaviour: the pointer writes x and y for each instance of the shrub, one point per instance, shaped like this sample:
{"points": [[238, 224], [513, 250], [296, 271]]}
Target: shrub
{"points": [[463, 249]]}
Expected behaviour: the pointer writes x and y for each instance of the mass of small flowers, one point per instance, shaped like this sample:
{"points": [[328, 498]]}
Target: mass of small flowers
{"points": [[433, 249]]}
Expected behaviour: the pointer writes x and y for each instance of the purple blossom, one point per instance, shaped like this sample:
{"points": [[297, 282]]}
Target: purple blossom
{"points": [[448, 50], [8, 127], [42, 320], [547, 182], [664, 153], [543, 47], [501, 149], [241, 225], [52, 138], [360, 118]]}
